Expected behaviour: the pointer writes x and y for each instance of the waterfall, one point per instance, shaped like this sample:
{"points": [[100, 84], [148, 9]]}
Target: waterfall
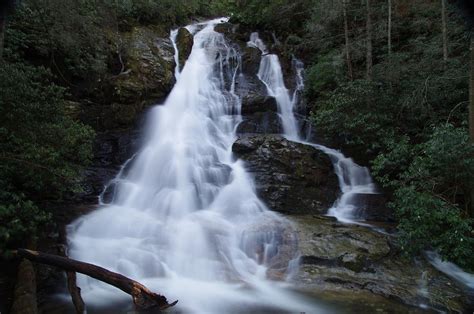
{"points": [[173, 36], [353, 179], [185, 219], [452, 270]]}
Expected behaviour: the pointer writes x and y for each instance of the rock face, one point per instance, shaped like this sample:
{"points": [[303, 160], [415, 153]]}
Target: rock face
{"points": [[258, 103], [111, 150], [260, 123], [149, 67], [184, 43], [143, 75], [337, 256], [373, 207], [289, 177], [259, 115], [278, 231]]}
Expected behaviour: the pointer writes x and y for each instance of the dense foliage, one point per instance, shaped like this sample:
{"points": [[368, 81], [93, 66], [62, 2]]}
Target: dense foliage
{"points": [[43, 150], [407, 119]]}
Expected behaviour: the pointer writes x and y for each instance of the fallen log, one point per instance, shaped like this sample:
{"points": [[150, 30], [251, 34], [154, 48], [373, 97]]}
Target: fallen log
{"points": [[143, 298]]}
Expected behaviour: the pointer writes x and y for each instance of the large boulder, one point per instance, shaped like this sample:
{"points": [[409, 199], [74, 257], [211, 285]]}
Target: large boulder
{"points": [[141, 73], [252, 103], [290, 177], [272, 241], [149, 67], [260, 123], [184, 43], [144, 75], [338, 257], [259, 113], [251, 57]]}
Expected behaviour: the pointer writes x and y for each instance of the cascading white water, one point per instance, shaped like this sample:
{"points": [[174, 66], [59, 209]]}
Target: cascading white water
{"points": [[271, 75], [353, 179], [173, 36], [185, 219], [452, 270]]}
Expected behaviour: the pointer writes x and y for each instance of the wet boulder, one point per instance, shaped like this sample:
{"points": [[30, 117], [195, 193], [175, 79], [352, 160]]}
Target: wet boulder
{"points": [[184, 43], [237, 33], [259, 111], [148, 67], [260, 123], [290, 177], [251, 57], [252, 103], [141, 73], [347, 257], [271, 241], [224, 28]]}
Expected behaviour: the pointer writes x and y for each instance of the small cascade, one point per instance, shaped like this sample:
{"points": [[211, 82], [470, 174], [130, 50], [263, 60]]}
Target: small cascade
{"points": [[173, 36], [271, 75], [452, 270], [354, 180], [423, 290]]}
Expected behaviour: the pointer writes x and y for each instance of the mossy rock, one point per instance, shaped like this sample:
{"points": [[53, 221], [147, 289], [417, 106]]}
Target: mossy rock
{"points": [[184, 43], [290, 177], [338, 257], [149, 66]]}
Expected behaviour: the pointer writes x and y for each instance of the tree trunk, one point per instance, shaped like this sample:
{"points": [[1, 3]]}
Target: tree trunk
{"points": [[346, 36], [443, 25], [471, 116], [389, 28], [369, 42], [143, 298], [3, 18]]}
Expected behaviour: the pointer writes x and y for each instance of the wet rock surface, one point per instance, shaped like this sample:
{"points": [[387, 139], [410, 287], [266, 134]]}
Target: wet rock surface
{"points": [[111, 150], [272, 242], [373, 207], [184, 43], [143, 75], [290, 177], [260, 123], [252, 103], [337, 257], [149, 66]]}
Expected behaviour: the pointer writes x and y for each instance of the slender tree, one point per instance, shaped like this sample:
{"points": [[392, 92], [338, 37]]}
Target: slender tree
{"points": [[471, 115], [443, 25], [3, 17], [346, 36], [369, 41], [389, 28], [6, 6]]}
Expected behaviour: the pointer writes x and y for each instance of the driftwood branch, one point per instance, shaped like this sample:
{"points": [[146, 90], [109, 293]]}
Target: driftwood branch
{"points": [[142, 297]]}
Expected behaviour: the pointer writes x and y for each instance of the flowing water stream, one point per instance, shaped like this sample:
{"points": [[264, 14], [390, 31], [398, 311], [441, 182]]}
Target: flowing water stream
{"points": [[185, 219], [354, 180]]}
